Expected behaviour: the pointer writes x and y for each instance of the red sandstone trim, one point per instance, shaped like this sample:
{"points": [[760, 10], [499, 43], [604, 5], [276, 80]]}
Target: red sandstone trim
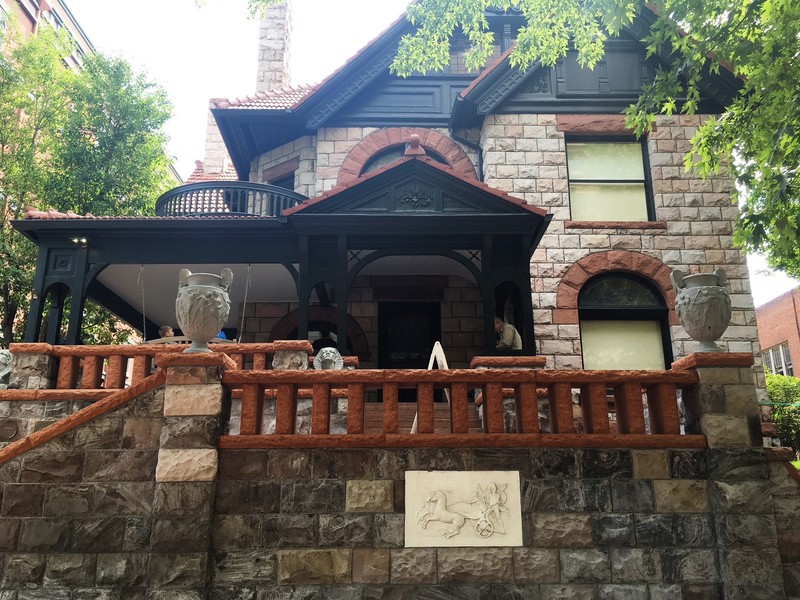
{"points": [[610, 124], [463, 440], [508, 362], [604, 262], [779, 454], [714, 359], [382, 139], [293, 345], [81, 417], [196, 359], [280, 170], [615, 224], [54, 395], [38, 348]]}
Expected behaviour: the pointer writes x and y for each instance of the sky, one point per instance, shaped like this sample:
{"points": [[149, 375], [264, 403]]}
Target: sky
{"points": [[201, 52]]}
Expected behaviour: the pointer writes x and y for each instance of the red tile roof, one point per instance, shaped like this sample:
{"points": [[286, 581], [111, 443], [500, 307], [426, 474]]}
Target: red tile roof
{"points": [[277, 100], [199, 174]]}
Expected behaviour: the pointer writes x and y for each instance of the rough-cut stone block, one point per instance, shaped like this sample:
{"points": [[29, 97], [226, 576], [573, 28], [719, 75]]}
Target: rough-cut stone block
{"points": [[345, 530], [23, 500], [44, 535], [413, 565], [237, 532], [741, 496], [22, 571], [695, 531], [369, 496], [314, 566], [9, 532], [737, 464], [141, 432], [681, 496], [345, 464], [193, 400], [650, 464], [70, 570], [284, 464], [108, 534], [370, 565], [725, 431], [584, 566], [244, 566], [635, 565], [546, 463], [318, 496], [177, 570], [182, 499], [180, 535], [751, 566], [632, 496], [46, 467], [654, 530], [535, 565], [689, 566], [290, 531], [122, 569], [248, 497], [116, 499], [612, 530], [665, 592], [69, 501], [475, 565], [389, 530], [187, 465], [687, 464], [622, 592], [122, 465], [562, 530], [189, 432], [296, 360], [244, 465], [616, 464], [567, 592], [542, 495], [592, 495]]}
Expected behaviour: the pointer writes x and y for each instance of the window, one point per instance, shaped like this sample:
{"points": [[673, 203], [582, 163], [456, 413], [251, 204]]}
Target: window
{"points": [[778, 360], [393, 153], [608, 181], [623, 323]]}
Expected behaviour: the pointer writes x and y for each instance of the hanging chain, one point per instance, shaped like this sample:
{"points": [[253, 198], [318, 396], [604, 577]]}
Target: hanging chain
{"points": [[140, 283], [244, 304]]}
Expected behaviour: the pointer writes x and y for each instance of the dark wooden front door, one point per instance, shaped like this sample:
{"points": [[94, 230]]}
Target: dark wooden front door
{"points": [[406, 334]]}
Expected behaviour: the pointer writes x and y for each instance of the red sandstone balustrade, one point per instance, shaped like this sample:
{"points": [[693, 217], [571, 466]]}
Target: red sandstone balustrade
{"points": [[531, 390]]}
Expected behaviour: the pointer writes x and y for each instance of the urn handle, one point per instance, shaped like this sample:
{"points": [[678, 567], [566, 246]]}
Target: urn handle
{"points": [[227, 279], [183, 277], [677, 279]]}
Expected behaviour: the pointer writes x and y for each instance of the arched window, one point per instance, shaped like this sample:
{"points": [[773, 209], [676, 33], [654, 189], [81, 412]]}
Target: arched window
{"points": [[391, 154], [624, 324]]}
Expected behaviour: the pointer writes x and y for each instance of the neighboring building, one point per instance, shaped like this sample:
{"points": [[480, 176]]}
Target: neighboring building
{"points": [[30, 14], [527, 197], [779, 332]]}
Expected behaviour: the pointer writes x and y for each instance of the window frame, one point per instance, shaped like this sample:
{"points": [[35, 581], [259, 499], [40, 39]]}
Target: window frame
{"points": [[631, 313], [781, 352], [610, 139]]}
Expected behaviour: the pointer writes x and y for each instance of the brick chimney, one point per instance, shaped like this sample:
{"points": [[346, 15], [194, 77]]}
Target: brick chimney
{"points": [[273, 48]]}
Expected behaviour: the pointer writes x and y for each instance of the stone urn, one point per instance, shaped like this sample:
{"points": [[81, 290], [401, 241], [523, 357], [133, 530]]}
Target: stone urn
{"points": [[703, 306], [202, 306]]}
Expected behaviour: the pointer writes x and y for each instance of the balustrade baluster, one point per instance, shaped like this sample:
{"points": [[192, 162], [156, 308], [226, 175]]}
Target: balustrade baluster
{"points": [[67, 372], [459, 408], [259, 361], [252, 409], [561, 417], [355, 408], [493, 418], [92, 375], [286, 408], [390, 408], [594, 404], [527, 408], [142, 365], [662, 404], [115, 372], [425, 409], [630, 411], [321, 408]]}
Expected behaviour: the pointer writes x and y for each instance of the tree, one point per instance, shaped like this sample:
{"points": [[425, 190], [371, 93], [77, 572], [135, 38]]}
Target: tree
{"points": [[88, 141], [784, 393], [758, 136]]}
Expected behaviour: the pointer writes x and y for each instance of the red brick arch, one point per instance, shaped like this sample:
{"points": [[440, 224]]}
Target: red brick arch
{"points": [[579, 273], [394, 136]]}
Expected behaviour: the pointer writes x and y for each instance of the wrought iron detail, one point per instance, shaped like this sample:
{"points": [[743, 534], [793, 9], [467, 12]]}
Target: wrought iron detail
{"points": [[416, 198], [226, 197]]}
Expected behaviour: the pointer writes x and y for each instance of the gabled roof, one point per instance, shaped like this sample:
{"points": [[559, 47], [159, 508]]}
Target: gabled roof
{"points": [[199, 174], [286, 98], [505, 202]]}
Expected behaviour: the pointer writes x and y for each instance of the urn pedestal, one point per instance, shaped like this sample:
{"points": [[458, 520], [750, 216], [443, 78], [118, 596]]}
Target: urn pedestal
{"points": [[703, 306], [202, 306]]}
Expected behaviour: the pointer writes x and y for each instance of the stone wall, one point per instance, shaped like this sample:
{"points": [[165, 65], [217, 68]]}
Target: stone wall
{"points": [[304, 151], [613, 524]]}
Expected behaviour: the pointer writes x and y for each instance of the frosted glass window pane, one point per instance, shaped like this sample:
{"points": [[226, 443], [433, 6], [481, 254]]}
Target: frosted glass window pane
{"points": [[608, 202], [622, 345], [609, 160]]}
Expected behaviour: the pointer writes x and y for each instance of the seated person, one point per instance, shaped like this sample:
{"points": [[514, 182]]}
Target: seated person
{"points": [[508, 336]]}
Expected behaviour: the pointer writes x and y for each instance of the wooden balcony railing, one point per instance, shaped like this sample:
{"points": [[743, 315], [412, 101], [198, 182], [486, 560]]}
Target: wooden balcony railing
{"points": [[646, 407], [226, 197]]}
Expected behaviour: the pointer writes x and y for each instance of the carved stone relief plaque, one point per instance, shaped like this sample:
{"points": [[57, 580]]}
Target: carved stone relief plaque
{"points": [[463, 508]]}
